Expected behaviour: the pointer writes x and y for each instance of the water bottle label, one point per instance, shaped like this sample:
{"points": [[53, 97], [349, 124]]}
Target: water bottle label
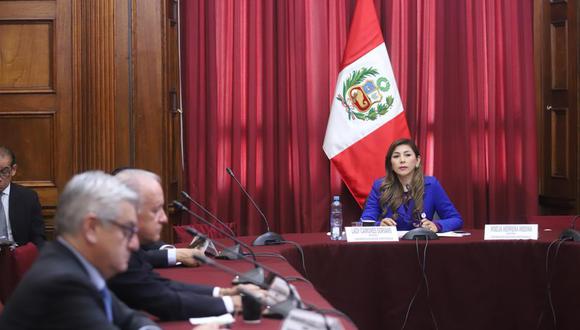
{"points": [[335, 232]]}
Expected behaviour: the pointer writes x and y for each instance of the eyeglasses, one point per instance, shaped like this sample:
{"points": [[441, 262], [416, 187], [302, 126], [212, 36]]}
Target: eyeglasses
{"points": [[5, 172], [128, 230]]}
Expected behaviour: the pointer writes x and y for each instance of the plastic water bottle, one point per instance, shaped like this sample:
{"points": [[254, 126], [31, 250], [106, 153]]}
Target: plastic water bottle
{"points": [[336, 219]]}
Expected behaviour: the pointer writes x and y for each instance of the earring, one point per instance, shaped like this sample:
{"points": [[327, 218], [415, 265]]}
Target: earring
{"points": [[417, 166]]}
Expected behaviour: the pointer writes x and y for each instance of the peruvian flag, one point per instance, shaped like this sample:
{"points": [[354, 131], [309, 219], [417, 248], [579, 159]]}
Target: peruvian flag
{"points": [[367, 114]]}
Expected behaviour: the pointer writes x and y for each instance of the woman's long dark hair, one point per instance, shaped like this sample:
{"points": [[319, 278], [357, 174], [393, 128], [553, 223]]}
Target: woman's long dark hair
{"points": [[392, 193]]}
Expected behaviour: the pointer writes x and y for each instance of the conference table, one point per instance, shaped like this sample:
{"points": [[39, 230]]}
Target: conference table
{"points": [[473, 283]]}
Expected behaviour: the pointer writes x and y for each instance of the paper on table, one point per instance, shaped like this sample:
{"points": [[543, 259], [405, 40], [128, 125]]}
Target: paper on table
{"points": [[452, 234], [222, 319]]}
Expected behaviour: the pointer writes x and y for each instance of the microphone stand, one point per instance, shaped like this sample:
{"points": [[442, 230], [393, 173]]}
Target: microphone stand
{"points": [[254, 276], [243, 257], [269, 237], [229, 253]]}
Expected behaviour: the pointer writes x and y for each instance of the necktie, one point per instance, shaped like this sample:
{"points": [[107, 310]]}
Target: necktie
{"points": [[107, 302], [3, 225]]}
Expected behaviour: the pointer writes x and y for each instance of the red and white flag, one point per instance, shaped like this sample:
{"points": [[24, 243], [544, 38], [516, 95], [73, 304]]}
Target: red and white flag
{"points": [[367, 114]]}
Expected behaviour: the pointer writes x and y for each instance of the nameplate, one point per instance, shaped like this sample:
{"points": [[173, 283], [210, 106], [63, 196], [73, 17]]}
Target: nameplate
{"points": [[493, 232], [371, 234], [306, 320]]}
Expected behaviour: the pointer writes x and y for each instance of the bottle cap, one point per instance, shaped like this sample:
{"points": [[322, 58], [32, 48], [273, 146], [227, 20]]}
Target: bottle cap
{"points": [[336, 198]]}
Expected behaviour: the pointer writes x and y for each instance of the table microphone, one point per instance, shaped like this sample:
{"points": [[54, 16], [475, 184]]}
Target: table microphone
{"points": [[259, 267], [226, 253], [229, 251], [282, 308], [256, 274], [267, 238], [571, 233], [245, 277]]}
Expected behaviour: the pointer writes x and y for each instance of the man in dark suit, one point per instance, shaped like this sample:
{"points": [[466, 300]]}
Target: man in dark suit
{"points": [[65, 288], [20, 212], [161, 255], [142, 288]]}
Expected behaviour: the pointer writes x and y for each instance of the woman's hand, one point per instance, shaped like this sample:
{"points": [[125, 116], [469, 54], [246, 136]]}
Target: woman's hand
{"points": [[388, 222], [429, 225]]}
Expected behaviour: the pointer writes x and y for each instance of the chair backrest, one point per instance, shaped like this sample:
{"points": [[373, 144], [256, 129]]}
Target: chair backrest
{"points": [[13, 264]]}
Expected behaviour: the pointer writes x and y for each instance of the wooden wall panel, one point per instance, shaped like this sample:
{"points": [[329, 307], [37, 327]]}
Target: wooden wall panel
{"points": [[560, 142], [37, 163], [26, 56], [124, 154], [84, 85], [150, 114], [95, 83], [559, 54]]}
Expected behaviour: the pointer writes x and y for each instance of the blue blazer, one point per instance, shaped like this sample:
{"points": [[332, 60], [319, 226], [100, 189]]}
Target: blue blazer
{"points": [[434, 200]]}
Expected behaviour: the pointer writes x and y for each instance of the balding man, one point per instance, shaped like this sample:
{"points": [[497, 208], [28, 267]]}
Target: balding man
{"points": [[65, 288], [142, 288], [158, 253], [20, 212]]}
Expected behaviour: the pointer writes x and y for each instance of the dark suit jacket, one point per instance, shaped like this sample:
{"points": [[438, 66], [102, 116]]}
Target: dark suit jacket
{"points": [[56, 293], [25, 216], [157, 258], [142, 288]]}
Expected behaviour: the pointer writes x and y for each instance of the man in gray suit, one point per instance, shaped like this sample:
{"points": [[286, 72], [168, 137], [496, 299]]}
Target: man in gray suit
{"points": [[66, 287]]}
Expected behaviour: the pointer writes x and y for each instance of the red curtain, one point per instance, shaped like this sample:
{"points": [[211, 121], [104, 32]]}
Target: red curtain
{"points": [[258, 79]]}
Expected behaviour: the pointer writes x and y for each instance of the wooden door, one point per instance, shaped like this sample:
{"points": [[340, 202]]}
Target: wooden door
{"points": [[557, 55], [35, 93]]}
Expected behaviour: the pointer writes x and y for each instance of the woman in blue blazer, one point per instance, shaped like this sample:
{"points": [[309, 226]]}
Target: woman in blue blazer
{"points": [[406, 198]]}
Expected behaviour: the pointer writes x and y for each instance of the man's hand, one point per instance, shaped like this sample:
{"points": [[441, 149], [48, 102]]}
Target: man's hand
{"points": [[185, 256], [235, 290]]}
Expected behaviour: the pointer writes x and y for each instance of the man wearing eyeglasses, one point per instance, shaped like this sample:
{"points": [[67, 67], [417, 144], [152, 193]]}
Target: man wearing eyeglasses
{"points": [[65, 288], [142, 288], [20, 212]]}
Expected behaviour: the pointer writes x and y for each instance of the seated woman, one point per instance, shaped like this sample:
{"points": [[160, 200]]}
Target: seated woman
{"points": [[406, 198]]}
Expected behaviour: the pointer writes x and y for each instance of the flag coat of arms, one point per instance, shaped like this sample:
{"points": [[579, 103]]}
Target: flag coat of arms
{"points": [[366, 114]]}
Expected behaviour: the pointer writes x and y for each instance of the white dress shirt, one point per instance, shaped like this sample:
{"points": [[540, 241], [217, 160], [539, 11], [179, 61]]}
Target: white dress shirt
{"points": [[5, 198]]}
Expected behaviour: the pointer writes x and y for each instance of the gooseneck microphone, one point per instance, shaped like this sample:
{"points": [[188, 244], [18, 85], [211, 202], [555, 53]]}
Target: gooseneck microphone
{"points": [[281, 301], [267, 238], [227, 253], [255, 276], [206, 211], [254, 262]]}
